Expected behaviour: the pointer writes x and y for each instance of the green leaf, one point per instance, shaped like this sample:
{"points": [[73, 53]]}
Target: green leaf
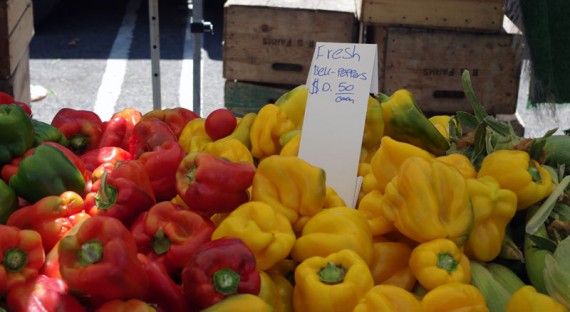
{"points": [[479, 144], [561, 211], [467, 120], [454, 128], [160, 242], [500, 127], [538, 144], [542, 243], [540, 216], [479, 111]]}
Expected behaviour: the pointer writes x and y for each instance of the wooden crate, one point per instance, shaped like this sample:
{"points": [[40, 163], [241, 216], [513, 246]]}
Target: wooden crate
{"points": [[16, 32], [429, 63], [272, 41], [465, 14], [248, 97]]}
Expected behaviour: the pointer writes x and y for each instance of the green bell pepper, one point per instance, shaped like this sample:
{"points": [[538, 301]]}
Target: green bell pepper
{"points": [[44, 172], [16, 132], [8, 201], [44, 132]]}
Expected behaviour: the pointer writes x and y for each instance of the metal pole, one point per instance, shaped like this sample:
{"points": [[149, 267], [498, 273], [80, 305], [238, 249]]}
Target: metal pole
{"points": [[154, 52], [197, 17]]}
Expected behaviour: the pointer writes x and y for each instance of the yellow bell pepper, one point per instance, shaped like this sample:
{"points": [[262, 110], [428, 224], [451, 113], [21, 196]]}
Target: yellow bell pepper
{"points": [[439, 262], [427, 200], [290, 143], [332, 230], [290, 185], [264, 230], [231, 149], [515, 171], [389, 157], [334, 283], [441, 123], [269, 125], [240, 303], [493, 209], [390, 264], [374, 124], [242, 130], [268, 290], [193, 136], [370, 206], [388, 298], [282, 274], [404, 121], [528, 299], [293, 104], [454, 297], [461, 163], [332, 199]]}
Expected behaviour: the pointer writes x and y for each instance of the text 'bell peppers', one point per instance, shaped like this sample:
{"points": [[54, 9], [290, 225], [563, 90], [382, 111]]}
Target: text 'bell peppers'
{"points": [[427, 200], [516, 171], [170, 235], [45, 171], [291, 185], [99, 262], [42, 293], [264, 230], [52, 216], [336, 282], [220, 269], [22, 256], [82, 128], [438, 262], [332, 230], [210, 184], [16, 132], [122, 193], [118, 130], [493, 209]]}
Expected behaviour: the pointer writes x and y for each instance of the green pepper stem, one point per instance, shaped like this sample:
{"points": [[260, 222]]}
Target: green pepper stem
{"points": [[332, 274], [226, 281], [160, 242], [15, 260], [446, 261], [90, 252], [78, 143], [106, 195]]}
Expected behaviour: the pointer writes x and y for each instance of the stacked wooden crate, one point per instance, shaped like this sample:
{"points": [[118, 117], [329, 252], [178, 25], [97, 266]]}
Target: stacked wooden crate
{"points": [[424, 45], [269, 44], [16, 31]]}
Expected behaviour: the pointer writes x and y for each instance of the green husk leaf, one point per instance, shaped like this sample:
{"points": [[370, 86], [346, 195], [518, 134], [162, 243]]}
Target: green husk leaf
{"points": [[557, 273], [479, 111], [467, 120], [540, 216], [542, 243]]}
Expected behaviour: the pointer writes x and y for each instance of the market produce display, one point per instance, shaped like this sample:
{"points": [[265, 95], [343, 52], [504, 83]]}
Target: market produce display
{"points": [[171, 211]]}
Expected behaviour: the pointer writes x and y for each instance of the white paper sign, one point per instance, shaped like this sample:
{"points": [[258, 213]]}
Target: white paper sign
{"points": [[341, 77]]}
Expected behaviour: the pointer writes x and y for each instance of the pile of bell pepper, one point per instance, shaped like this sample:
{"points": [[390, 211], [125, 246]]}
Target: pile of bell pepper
{"points": [[147, 212]]}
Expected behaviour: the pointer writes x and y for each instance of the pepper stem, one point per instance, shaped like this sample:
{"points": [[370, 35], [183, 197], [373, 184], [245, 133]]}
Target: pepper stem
{"points": [[106, 195], [90, 252], [535, 174], [15, 260], [78, 143], [446, 261], [332, 273], [226, 281], [160, 242]]}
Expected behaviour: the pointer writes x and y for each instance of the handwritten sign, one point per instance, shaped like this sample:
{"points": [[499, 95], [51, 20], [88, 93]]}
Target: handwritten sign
{"points": [[341, 77]]}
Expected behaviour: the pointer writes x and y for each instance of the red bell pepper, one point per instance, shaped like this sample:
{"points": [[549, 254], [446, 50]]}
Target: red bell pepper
{"points": [[51, 264], [161, 165], [42, 293], [6, 98], [211, 184], [118, 130], [219, 269], [99, 263], [22, 256], [52, 217], [122, 193], [163, 291], [103, 159], [82, 128], [148, 134], [170, 234], [176, 118]]}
